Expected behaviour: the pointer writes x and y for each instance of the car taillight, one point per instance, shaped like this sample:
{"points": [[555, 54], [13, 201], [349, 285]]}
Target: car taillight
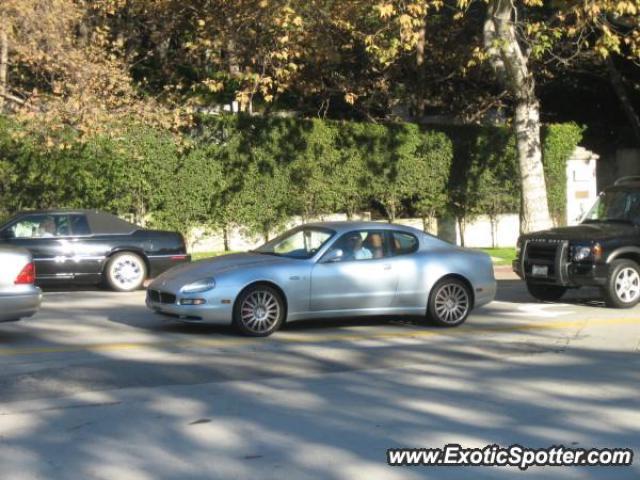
{"points": [[27, 276]]}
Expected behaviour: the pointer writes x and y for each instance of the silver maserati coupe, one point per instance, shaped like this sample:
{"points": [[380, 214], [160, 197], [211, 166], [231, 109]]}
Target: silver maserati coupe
{"points": [[322, 270]]}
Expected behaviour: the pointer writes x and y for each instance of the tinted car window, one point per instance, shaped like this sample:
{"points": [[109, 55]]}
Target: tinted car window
{"points": [[79, 225], [404, 243]]}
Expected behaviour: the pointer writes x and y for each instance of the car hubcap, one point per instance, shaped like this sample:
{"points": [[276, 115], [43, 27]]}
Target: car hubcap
{"points": [[628, 285], [127, 272], [452, 303], [260, 311]]}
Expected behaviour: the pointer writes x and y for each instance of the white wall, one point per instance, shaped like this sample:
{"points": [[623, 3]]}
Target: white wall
{"points": [[478, 233]]}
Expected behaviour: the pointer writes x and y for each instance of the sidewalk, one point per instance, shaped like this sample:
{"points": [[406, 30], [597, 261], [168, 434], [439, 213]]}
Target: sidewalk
{"points": [[504, 272]]}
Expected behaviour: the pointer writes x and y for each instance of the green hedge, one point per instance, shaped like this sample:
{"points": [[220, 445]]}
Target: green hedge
{"points": [[259, 171]]}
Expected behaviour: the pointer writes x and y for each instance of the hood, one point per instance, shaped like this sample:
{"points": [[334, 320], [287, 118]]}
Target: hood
{"points": [[586, 232], [212, 267]]}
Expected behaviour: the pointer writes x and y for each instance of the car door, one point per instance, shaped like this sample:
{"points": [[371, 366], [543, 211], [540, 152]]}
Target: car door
{"points": [[411, 290], [40, 234], [362, 278]]}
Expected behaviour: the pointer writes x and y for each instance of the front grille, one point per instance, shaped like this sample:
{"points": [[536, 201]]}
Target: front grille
{"points": [[552, 254], [157, 296], [540, 251], [541, 254]]}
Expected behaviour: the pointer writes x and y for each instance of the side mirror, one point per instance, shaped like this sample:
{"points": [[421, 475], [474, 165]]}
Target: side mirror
{"points": [[333, 256]]}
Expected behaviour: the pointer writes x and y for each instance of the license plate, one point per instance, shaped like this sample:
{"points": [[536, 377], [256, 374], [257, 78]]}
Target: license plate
{"points": [[540, 271]]}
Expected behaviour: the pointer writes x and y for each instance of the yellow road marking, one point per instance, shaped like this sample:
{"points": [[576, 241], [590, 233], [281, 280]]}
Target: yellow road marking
{"points": [[313, 338]]}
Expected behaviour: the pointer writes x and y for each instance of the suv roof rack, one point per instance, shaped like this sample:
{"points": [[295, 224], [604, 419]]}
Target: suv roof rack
{"points": [[629, 179]]}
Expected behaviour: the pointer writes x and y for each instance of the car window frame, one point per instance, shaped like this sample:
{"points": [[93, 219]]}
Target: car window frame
{"points": [[392, 243]]}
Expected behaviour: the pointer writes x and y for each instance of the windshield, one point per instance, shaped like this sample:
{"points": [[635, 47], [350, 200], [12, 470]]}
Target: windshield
{"points": [[301, 242], [615, 206]]}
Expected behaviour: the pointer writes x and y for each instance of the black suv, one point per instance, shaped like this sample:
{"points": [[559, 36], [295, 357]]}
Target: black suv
{"points": [[603, 251]]}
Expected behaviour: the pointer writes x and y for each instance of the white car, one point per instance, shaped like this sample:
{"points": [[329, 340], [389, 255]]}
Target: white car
{"points": [[19, 297]]}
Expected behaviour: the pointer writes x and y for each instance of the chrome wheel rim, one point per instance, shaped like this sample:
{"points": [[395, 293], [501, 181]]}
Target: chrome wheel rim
{"points": [[127, 272], [451, 303], [260, 311], [627, 285]]}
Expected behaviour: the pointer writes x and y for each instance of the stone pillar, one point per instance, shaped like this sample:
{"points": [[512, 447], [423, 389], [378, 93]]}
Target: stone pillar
{"points": [[582, 189]]}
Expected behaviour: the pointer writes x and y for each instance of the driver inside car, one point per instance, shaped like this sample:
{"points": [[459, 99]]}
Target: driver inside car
{"points": [[47, 228], [355, 250]]}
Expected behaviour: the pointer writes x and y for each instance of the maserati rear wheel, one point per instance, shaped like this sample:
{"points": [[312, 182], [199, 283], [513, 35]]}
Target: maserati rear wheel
{"points": [[449, 303]]}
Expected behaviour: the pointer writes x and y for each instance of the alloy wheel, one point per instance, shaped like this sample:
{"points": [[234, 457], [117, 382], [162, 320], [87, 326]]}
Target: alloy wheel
{"points": [[260, 311], [627, 285], [451, 303]]}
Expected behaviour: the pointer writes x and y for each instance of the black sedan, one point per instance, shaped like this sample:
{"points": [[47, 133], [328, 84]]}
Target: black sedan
{"points": [[86, 246]]}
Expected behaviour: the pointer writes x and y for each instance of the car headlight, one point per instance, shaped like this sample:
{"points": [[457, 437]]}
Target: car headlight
{"points": [[199, 286], [581, 253]]}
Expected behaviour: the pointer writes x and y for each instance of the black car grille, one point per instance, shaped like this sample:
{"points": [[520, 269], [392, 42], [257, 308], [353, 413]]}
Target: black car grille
{"points": [[157, 296], [539, 251], [542, 253]]}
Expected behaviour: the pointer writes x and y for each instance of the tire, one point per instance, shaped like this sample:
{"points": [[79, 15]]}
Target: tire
{"points": [[259, 311], [546, 293], [125, 272], [622, 289], [450, 303]]}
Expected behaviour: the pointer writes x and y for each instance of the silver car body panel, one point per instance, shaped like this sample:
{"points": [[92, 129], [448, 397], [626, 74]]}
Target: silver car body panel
{"points": [[397, 285], [16, 301]]}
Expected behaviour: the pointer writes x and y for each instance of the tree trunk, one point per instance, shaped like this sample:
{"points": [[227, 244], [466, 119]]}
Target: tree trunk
{"points": [[420, 73], [4, 65], [461, 227], [493, 221], [390, 209], [621, 91], [511, 65], [225, 238]]}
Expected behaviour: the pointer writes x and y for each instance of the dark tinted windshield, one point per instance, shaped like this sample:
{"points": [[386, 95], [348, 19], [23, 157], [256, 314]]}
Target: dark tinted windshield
{"points": [[615, 206], [302, 242]]}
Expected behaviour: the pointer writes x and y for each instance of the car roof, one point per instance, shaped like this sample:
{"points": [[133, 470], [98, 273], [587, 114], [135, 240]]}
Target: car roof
{"points": [[629, 186], [100, 223], [347, 226]]}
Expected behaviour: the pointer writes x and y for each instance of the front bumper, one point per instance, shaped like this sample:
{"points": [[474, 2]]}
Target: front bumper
{"points": [[14, 306], [217, 311], [569, 274]]}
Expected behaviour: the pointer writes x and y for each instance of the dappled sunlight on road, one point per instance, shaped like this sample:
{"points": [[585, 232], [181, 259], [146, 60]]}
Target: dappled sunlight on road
{"points": [[93, 392]]}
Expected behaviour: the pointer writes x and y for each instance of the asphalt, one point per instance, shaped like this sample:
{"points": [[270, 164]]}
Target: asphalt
{"points": [[95, 387]]}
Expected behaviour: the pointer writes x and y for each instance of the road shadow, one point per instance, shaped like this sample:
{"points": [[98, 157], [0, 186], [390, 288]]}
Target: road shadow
{"points": [[299, 412]]}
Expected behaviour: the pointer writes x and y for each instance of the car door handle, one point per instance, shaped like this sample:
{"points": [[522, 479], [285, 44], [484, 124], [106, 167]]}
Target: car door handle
{"points": [[387, 267]]}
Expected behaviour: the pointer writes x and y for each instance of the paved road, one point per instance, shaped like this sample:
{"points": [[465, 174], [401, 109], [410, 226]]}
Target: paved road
{"points": [[97, 387]]}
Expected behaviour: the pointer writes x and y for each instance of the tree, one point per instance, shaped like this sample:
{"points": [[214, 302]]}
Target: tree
{"points": [[517, 38], [59, 66], [431, 174], [263, 204]]}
